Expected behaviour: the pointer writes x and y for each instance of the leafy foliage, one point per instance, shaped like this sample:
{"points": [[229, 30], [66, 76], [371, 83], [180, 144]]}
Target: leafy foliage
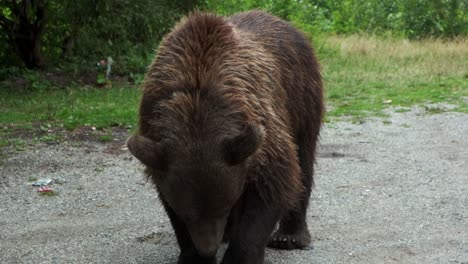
{"points": [[407, 18], [84, 31]]}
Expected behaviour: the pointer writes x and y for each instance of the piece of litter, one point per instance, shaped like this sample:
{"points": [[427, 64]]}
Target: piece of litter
{"points": [[42, 182], [387, 101], [45, 189]]}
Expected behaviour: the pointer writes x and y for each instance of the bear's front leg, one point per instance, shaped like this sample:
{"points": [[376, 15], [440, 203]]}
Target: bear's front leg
{"points": [[251, 234], [188, 252]]}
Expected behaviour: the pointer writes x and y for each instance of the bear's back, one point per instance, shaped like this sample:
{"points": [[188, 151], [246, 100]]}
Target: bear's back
{"points": [[299, 69]]}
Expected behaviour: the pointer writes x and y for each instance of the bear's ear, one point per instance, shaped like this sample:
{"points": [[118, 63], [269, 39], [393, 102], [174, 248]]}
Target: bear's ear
{"points": [[239, 148], [149, 152]]}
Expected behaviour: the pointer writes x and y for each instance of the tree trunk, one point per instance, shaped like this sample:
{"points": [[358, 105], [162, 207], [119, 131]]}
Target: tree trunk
{"points": [[25, 31]]}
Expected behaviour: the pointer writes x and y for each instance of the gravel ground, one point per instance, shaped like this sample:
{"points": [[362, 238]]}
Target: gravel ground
{"points": [[385, 193]]}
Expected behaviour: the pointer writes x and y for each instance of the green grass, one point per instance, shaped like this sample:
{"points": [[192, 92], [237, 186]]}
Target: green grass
{"points": [[49, 138], [49, 194], [402, 110], [19, 144], [105, 138], [32, 179], [3, 143], [71, 107], [365, 75]]}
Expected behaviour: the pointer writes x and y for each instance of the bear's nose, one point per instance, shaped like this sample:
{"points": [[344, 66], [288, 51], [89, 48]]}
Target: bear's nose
{"points": [[207, 249], [207, 235]]}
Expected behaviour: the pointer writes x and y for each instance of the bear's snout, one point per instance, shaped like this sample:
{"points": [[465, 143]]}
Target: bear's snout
{"points": [[207, 235]]}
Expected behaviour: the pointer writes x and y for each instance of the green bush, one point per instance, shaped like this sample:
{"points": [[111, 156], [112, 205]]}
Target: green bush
{"points": [[439, 18], [406, 18]]}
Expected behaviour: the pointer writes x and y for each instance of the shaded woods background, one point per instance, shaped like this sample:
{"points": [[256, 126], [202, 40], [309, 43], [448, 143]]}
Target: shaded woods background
{"points": [[70, 37]]}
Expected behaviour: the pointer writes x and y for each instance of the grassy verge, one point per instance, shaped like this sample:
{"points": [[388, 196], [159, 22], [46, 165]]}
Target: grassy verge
{"points": [[363, 75], [46, 115], [71, 107]]}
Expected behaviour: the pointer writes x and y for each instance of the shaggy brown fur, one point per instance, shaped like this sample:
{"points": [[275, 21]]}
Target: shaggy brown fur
{"points": [[238, 96]]}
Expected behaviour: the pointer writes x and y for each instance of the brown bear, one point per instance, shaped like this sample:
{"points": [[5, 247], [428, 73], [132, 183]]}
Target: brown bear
{"points": [[228, 124]]}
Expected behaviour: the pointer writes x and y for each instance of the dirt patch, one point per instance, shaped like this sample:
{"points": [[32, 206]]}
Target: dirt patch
{"points": [[37, 133]]}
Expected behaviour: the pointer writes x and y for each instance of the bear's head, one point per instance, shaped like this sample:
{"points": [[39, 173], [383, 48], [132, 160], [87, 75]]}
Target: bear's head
{"points": [[197, 154]]}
